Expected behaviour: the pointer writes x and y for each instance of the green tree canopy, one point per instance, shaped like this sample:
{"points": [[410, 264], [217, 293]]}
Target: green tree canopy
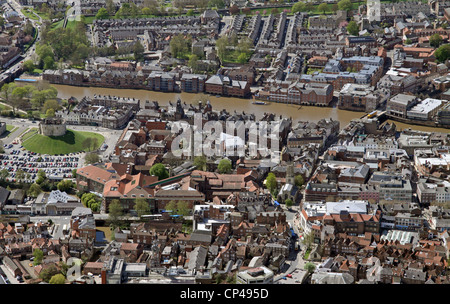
{"points": [[115, 211], [160, 171], [271, 182], [91, 158], [34, 190], [58, 279], [435, 40], [142, 207], [200, 162], [38, 255], [345, 5], [172, 206], [224, 166], [65, 185], [28, 66], [352, 28], [443, 52], [323, 7], [310, 267], [298, 7], [138, 51], [48, 272], [4, 173], [289, 203], [102, 14], [180, 46], [183, 208], [298, 180]]}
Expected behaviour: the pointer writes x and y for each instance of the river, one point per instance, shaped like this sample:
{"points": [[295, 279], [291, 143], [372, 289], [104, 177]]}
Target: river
{"points": [[304, 113]]}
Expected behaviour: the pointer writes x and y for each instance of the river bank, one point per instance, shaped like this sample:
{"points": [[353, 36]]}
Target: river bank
{"points": [[231, 104]]}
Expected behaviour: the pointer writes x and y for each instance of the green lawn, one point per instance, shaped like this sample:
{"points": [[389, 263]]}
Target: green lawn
{"points": [[30, 133], [10, 128], [69, 143], [58, 24], [29, 14], [71, 24]]}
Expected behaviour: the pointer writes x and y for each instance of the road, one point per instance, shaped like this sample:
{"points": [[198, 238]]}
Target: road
{"points": [[29, 53], [294, 263]]}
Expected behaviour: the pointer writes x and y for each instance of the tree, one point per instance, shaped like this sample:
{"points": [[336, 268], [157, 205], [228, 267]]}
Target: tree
{"points": [[216, 4], [48, 272], [65, 185], [142, 207], [90, 200], [271, 182], [183, 208], [172, 206], [41, 176], [244, 46], [190, 12], [160, 171], [289, 203], [221, 47], [4, 173], [247, 11], [38, 255], [234, 9], [408, 41], [146, 11], [435, 40], [323, 7], [242, 58], [298, 180], [310, 267], [49, 63], [110, 7], [224, 166], [309, 6], [50, 104], [352, 28], [308, 239], [28, 66], [115, 211], [6, 93], [298, 7], [193, 63], [50, 113], [200, 162], [335, 8], [20, 175], [91, 158], [138, 51], [102, 14], [442, 53], [180, 46], [34, 190], [345, 5], [58, 279]]}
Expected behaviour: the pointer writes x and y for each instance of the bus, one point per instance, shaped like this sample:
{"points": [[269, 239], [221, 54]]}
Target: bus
{"points": [[372, 114]]}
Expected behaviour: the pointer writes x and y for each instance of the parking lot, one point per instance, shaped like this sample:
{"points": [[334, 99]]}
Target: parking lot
{"points": [[55, 166]]}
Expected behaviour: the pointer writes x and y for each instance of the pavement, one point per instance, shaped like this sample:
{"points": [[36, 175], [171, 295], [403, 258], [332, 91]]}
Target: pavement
{"points": [[58, 221], [12, 279]]}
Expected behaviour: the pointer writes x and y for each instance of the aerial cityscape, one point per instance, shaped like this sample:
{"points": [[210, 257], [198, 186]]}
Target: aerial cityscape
{"points": [[215, 142]]}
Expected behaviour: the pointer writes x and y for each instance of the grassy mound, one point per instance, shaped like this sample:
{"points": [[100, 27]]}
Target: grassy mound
{"points": [[71, 142]]}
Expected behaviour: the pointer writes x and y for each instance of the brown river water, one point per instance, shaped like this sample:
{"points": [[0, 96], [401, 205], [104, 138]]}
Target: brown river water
{"points": [[304, 113]]}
